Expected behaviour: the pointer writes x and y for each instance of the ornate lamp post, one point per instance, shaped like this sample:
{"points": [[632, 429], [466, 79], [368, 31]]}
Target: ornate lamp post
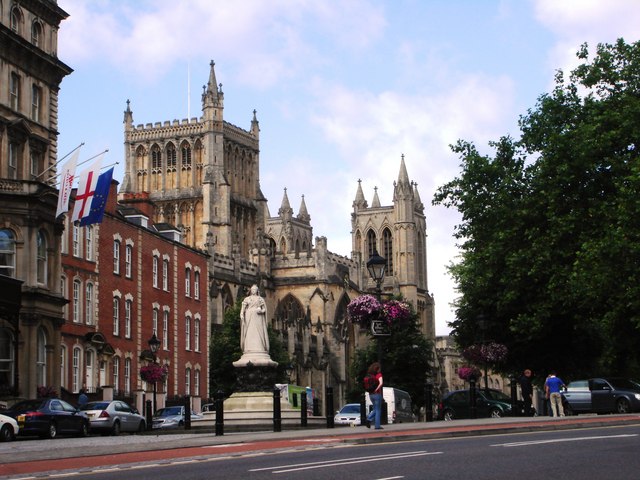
{"points": [[377, 266], [154, 344]]}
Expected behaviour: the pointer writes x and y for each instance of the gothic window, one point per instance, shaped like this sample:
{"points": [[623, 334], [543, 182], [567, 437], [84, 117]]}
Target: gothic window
{"points": [[290, 310], [387, 247], [156, 158], [185, 155], [372, 241], [171, 157], [36, 102], [7, 252], [6, 357], [14, 91], [42, 258], [36, 33]]}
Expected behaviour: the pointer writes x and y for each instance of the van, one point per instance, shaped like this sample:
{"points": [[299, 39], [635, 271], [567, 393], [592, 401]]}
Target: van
{"points": [[398, 405]]}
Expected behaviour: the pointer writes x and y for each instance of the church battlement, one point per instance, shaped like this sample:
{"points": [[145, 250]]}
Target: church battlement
{"points": [[160, 130]]}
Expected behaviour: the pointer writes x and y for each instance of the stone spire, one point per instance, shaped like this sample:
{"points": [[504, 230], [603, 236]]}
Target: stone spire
{"points": [[255, 125], [403, 189], [128, 116], [375, 203], [285, 208], [212, 95], [359, 202], [303, 214], [417, 201]]}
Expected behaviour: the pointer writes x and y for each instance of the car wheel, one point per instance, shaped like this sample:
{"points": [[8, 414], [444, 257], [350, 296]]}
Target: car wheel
{"points": [[115, 430], [181, 423], [52, 430], [6, 434], [495, 413], [448, 415], [622, 406], [142, 427], [568, 411], [84, 429]]}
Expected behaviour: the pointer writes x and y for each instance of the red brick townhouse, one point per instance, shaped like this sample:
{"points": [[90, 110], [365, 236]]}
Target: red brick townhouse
{"points": [[127, 279]]}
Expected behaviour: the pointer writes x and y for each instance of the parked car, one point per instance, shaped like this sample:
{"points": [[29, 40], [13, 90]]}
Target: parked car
{"points": [[601, 395], [8, 428], [489, 403], [398, 405], [349, 414], [48, 417], [113, 417], [172, 417]]}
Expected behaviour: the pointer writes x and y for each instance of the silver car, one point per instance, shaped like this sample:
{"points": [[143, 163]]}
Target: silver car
{"points": [[172, 417], [348, 415], [8, 428], [113, 417]]}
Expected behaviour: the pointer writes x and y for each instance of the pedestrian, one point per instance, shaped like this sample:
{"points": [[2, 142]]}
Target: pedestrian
{"points": [[527, 391], [82, 398], [553, 385], [376, 396]]}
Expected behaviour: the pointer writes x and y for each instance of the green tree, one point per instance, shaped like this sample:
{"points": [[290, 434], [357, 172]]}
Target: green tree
{"points": [[406, 361], [225, 349], [550, 226]]}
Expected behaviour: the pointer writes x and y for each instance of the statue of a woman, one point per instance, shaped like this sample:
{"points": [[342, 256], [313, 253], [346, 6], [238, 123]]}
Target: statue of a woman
{"points": [[253, 324]]}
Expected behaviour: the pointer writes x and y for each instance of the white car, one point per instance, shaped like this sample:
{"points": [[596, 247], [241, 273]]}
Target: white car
{"points": [[8, 428], [348, 415], [172, 417]]}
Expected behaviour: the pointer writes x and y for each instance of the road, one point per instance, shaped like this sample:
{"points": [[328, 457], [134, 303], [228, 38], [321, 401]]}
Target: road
{"points": [[581, 454]]}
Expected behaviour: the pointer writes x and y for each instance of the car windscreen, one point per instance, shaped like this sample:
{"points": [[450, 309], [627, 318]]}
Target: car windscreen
{"points": [[169, 412], [350, 409]]}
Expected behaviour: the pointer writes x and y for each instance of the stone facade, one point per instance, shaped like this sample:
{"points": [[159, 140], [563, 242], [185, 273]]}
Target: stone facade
{"points": [[30, 77]]}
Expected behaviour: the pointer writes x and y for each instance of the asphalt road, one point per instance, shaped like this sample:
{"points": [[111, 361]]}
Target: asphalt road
{"points": [[585, 453], [458, 449]]}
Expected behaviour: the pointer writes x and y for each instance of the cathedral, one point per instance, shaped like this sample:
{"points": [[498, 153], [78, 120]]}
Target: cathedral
{"points": [[203, 176]]}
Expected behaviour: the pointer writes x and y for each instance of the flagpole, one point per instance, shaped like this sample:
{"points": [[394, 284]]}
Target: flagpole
{"points": [[52, 166], [85, 161]]}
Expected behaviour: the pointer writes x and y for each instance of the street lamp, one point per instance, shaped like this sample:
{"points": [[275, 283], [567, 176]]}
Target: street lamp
{"points": [[482, 325], [377, 265], [154, 344]]}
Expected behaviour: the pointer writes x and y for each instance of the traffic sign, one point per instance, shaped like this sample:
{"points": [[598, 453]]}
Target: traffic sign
{"points": [[380, 328]]}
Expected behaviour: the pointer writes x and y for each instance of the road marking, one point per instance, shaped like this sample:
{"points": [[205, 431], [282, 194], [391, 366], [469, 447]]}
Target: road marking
{"points": [[560, 440], [345, 461]]}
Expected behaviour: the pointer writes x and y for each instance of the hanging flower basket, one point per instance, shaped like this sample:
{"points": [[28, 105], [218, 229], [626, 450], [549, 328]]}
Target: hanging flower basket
{"points": [[363, 309], [486, 353], [395, 311], [154, 373], [468, 373]]}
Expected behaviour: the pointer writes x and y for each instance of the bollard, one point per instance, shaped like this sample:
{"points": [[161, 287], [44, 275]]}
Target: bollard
{"points": [[363, 409], [472, 398], [329, 410], [316, 407], [277, 415], [514, 396], [384, 412], [149, 415], [219, 404], [187, 412], [303, 409], [428, 401]]}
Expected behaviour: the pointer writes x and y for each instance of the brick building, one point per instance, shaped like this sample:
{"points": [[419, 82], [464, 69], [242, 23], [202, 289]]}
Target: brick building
{"points": [[127, 279]]}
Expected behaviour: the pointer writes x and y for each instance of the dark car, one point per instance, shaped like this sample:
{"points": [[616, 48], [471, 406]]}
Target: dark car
{"points": [[601, 395], [48, 417], [489, 403], [113, 417]]}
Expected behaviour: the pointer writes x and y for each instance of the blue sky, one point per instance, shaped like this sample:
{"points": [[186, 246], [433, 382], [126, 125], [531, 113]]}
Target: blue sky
{"points": [[342, 88]]}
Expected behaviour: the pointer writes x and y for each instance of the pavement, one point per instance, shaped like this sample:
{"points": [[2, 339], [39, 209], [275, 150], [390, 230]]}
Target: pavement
{"points": [[33, 455]]}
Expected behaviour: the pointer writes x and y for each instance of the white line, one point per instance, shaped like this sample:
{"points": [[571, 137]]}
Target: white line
{"points": [[341, 463], [391, 455], [559, 440]]}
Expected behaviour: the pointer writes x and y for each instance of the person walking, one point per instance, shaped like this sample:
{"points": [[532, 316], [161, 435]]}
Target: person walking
{"points": [[82, 398], [552, 386], [376, 396], [527, 391]]}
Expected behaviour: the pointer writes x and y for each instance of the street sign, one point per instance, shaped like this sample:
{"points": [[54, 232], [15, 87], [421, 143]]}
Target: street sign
{"points": [[380, 328]]}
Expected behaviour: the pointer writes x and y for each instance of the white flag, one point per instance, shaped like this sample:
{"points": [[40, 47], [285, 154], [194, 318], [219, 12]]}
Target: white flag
{"points": [[66, 183], [86, 188]]}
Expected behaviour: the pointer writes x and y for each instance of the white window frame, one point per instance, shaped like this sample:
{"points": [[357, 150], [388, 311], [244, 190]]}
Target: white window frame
{"points": [[128, 304], [155, 271], [116, 373], [165, 329], [76, 318], [76, 240], [127, 375], [187, 282], [196, 334], [88, 300], [187, 381], [196, 284], [187, 332], [89, 242], [41, 358], [77, 362], [116, 256], [116, 316], [128, 254], [165, 274]]}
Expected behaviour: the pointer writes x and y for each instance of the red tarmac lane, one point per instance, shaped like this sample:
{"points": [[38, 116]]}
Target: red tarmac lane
{"points": [[246, 443]]}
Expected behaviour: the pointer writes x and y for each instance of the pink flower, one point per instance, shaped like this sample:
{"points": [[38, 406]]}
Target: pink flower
{"points": [[363, 309], [467, 373], [154, 373]]}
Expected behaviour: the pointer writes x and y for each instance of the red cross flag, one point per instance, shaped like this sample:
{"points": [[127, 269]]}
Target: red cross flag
{"points": [[86, 190]]}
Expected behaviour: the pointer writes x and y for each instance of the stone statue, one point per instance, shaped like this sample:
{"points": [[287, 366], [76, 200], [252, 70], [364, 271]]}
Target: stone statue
{"points": [[254, 339], [253, 323]]}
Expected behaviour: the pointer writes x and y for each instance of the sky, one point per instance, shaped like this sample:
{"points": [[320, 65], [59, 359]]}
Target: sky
{"points": [[342, 89]]}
